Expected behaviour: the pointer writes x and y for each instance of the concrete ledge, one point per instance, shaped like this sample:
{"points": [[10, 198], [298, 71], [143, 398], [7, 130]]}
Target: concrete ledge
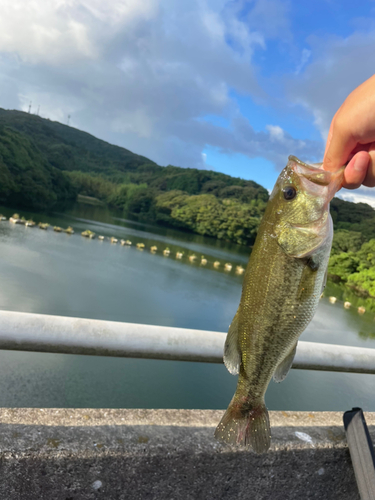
{"points": [[62, 454]]}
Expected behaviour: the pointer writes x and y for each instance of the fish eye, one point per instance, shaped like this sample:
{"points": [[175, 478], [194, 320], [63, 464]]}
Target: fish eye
{"points": [[289, 192]]}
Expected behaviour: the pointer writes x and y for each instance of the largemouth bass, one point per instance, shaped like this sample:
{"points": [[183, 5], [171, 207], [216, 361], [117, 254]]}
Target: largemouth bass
{"points": [[283, 281]]}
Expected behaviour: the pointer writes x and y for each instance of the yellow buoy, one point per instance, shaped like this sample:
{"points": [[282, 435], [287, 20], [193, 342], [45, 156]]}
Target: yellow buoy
{"points": [[361, 310]]}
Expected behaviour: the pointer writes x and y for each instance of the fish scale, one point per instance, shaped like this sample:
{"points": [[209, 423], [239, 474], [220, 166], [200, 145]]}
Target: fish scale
{"points": [[281, 289]]}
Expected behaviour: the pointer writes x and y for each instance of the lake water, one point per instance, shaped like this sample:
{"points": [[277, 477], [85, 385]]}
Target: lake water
{"points": [[54, 273]]}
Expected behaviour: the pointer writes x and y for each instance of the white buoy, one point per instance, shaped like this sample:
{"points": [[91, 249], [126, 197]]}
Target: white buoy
{"points": [[361, 310], [347, 305], [332, 300]]}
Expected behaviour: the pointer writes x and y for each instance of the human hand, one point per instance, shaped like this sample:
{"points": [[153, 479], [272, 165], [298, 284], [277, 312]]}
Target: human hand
{"points": [[351, 138]]}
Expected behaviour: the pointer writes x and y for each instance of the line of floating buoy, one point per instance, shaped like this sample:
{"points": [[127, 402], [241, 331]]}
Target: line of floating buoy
{"points": [[88, 234], [16, 219], [347, 305]]}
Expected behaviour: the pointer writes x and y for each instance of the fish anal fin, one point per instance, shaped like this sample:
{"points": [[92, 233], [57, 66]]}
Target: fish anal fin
{"points": [[232, 355], [283, 368]]}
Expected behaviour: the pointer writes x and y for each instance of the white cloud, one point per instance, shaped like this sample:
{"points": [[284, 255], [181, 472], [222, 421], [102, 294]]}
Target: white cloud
{"points": [[305, 56], [144, 74], [362, 195], [59, 31], [338, 66], [276, 132]]}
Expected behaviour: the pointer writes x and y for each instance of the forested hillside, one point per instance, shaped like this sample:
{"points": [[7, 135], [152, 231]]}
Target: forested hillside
{"points": [[26, 177]]}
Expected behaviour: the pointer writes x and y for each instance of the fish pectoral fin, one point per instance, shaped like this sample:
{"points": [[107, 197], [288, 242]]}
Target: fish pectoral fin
{"points": [[232, 355], [283, 368]]}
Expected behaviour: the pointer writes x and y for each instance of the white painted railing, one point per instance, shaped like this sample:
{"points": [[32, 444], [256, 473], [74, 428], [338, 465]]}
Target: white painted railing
{"points": [[58, 334]]}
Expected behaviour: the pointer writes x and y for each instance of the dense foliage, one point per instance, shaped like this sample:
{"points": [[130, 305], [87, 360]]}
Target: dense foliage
{"points": [[26, 178], [353, 261], [227, 218]]}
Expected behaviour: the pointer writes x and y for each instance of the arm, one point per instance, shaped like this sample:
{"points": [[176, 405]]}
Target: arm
{"points": [[351, 137]]}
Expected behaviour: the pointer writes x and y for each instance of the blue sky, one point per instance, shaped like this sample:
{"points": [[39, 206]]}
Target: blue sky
{"points": [[233, 86]]}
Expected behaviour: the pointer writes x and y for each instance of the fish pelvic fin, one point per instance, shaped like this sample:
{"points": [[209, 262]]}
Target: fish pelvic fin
{"points": [[283, 368], [245, 427], [232, 355]]}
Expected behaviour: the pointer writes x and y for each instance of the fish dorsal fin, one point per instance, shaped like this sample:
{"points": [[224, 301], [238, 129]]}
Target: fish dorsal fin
{"points": [[283, 368], [232, 355]]}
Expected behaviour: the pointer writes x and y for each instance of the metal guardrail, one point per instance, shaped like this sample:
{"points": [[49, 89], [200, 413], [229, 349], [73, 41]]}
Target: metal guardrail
{"points": [[58, 334]]}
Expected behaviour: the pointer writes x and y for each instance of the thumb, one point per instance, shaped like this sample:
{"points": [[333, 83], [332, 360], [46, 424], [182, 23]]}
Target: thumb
{"points": [[339, 146]]}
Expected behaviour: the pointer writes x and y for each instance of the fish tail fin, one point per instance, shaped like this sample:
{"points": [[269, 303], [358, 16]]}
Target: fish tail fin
{"points": [[244, 426]]}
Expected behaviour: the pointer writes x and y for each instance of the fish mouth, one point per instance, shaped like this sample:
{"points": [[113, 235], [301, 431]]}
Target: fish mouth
{"points": [[321, 178]]}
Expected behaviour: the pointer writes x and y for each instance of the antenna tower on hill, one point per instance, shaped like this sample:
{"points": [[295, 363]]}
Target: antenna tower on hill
{"points": [[30, 106], [68, 120]]}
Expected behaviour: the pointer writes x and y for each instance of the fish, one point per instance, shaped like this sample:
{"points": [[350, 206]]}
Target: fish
{"points": [[283, 281]]}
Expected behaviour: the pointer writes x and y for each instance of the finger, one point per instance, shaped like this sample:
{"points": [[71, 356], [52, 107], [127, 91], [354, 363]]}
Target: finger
{"points": [[339, 148], [370, 176], [356, 170]]}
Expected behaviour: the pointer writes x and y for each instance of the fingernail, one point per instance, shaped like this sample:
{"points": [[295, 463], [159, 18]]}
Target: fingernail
{"points": [[361, 163]]}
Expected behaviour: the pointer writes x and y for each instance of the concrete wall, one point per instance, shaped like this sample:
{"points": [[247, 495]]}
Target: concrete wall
{"points": [[67, 454]]}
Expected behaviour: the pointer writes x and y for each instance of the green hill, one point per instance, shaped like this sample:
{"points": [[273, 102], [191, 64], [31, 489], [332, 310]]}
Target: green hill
{"points": [[26, 178], [67, 148]]}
